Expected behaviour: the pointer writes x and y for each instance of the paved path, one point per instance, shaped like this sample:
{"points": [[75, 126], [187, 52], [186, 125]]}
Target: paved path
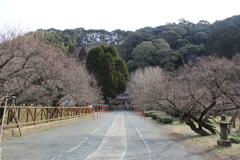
{"points": [[114, 144], [118, 135]]}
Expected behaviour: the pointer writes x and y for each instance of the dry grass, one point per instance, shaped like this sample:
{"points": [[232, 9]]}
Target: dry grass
{"points": [[204, 145]]}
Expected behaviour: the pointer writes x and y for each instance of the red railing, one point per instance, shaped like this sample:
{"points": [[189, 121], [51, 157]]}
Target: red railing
{"points": [[99, 110], [140, 111]]}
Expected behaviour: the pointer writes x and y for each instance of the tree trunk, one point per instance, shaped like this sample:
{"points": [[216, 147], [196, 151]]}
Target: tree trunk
{"points": [[238, 131], [209, 127], [233, 119], [203, 124], [200, 131], [1, 114], [200, 119]]}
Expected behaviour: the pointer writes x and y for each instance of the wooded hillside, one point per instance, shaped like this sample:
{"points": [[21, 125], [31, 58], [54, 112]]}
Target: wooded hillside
{"points": [[168, 46]]}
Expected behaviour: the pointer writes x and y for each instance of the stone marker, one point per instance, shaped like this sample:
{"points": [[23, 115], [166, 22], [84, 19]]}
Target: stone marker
{"points": [[223, 141]]}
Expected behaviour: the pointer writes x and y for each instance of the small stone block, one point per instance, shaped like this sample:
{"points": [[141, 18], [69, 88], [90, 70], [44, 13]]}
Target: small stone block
{"points": [[226, 143]]}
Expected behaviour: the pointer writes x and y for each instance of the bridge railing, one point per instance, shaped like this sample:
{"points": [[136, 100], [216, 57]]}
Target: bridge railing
{"points": [[99, 108], [36, 115], [140, 110]]}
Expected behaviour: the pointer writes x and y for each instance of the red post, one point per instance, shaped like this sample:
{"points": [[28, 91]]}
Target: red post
{"points": [[144, 113], [139, 112], [93, 112], [97, 111]]}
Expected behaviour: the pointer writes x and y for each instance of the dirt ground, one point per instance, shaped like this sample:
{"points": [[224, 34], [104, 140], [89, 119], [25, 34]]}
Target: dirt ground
{"points": [[203, 145]]}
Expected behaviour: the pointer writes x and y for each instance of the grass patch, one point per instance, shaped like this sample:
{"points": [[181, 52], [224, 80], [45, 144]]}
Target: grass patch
{"points": [[205, 144]]}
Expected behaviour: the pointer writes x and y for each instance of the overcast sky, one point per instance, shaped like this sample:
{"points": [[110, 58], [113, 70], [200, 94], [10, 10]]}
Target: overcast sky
{"points": [[111, 14]]}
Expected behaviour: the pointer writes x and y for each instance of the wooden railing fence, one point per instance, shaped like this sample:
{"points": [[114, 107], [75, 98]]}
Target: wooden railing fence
{"points": [[36, 115]]}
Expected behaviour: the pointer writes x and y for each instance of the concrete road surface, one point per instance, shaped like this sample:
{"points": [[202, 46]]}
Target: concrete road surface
{"points": [[117, 135]]}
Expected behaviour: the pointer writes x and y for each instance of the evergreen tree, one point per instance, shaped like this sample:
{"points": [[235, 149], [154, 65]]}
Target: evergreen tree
{"points": [[72, 51], [94, 60], [109, 69], [82, 54]]}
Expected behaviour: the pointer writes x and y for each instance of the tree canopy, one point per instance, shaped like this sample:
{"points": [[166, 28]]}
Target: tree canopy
{"points": [[39, 73], [224, 39], [207, 87], [180, 41], [150, 53]]}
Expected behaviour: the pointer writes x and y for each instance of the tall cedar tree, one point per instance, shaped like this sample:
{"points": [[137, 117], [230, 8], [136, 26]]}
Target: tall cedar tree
{"points": [[82, 54], [109, 69], [72, 51]]}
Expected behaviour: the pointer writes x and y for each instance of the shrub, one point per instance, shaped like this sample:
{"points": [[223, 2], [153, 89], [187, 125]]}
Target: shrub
{"points": [[160, 116], [234, 140], [155, 114], [149, 113], [158, 119], [165, 119]]}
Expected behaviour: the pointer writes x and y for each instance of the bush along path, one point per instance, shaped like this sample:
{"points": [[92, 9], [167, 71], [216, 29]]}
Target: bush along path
{"points": [[115, 135], [160, 116]]}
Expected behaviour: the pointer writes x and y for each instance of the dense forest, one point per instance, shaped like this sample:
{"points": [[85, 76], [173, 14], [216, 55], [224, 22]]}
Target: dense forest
{"points": [[168, 46], [80, 37]]}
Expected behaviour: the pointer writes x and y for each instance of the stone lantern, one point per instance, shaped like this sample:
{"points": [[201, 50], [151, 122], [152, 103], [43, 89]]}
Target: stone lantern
{"points": [[223, 141]]}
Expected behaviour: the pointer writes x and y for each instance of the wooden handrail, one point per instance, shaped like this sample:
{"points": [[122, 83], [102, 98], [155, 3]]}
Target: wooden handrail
{"points": [[34, 115]]}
